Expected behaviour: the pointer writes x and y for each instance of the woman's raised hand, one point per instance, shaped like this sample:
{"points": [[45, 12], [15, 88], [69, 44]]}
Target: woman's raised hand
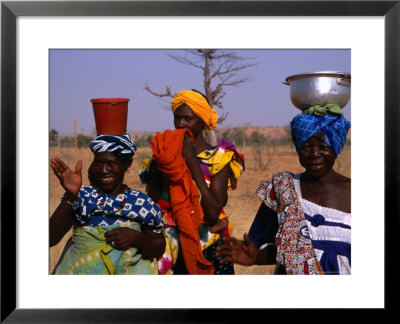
{"points": [[188, 148], [233, 250], [69, 180]]}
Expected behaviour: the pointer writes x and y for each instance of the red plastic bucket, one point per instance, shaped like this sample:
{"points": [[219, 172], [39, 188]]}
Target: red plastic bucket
{"points": [[110, 115]]}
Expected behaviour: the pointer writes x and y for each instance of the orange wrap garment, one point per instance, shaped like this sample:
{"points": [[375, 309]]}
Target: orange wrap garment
{"points": [[184, 197]]}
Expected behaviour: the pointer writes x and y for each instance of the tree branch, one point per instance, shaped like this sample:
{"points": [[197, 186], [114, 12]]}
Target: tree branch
{"points": [[167, 92], [220, 69]]}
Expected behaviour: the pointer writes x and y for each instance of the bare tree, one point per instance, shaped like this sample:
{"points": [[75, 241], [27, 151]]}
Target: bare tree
{"points": [[220, 69]]}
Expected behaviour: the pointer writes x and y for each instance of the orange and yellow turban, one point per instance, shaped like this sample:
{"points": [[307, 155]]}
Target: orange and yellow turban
{"points": [[198, 104]]}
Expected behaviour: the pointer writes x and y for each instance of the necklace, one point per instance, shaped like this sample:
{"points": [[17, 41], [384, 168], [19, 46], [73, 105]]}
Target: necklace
{"points": [[102, 198]]}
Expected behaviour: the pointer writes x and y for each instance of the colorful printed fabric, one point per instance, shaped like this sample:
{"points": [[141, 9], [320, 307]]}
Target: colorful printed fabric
{"points": [[87, 253], [144, 171], [216, 158], [334, 127], [225, 268], [95, 208], [122, 145], [294, 250], [198, 104]]}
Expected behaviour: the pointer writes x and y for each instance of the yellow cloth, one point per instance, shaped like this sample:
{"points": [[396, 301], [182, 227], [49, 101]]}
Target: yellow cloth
{"points": [[198, 104], [218, 160]]}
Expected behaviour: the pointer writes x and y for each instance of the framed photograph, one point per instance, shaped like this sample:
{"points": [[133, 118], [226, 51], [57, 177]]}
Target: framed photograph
{"points": [[370, 29]]}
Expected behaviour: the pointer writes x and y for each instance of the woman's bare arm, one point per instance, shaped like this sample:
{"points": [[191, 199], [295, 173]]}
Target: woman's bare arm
{"points": [[214, 197], [61, 220]]}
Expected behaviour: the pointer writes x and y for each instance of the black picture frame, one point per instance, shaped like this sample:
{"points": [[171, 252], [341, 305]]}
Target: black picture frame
{"points": [[10, 10]]}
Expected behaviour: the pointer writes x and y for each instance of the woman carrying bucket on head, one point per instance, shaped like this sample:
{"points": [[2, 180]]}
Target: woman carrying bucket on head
{"points": [[117, 230]]}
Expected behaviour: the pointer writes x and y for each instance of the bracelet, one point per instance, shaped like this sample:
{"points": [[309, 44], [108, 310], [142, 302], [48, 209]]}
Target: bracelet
{"points": [[68, 202]]}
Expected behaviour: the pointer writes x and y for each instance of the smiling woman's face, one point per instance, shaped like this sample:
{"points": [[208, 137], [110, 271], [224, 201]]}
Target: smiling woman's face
{"points": [[316, 156], [107, 172]]}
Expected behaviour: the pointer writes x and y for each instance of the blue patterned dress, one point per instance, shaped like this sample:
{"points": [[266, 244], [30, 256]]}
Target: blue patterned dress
{"points": [[96, 213]]}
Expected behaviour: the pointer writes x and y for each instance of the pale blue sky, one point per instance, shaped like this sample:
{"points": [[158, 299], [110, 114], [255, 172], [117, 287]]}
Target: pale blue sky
{"points": [[76, 76]]}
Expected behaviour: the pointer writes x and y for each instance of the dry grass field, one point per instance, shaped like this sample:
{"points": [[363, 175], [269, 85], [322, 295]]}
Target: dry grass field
{"points": [[242, 205]]}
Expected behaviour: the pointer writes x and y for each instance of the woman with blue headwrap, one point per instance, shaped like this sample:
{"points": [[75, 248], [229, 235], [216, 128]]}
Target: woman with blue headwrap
{"points": [[303, 224], [117, 230]]}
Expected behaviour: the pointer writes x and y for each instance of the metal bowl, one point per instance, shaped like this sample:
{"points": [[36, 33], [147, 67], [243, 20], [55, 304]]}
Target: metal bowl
{"points": [[319, 88]]}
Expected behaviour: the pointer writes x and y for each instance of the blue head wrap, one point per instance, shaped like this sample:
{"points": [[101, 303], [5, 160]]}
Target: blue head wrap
{"points": [[121, 145], [334, 127]]}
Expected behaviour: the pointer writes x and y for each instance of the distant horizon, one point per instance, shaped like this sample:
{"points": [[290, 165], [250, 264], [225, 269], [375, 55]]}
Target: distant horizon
{"points": [[217, 130], [161, 130]]}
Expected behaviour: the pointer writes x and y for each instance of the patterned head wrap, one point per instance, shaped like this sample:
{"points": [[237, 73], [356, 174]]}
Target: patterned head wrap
{"points": [[334, 127], [121, 145], [198, 104]]}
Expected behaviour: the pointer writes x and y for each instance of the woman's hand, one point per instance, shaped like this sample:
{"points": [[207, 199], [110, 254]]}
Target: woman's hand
{"points": [[152, 245], [243, 252], [69, 180], [188, 149], [122, 238], [220, 225]]}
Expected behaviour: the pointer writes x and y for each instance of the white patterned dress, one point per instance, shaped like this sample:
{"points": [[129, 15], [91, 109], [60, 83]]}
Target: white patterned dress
{"points": [[310, 239], [330, 233]]}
